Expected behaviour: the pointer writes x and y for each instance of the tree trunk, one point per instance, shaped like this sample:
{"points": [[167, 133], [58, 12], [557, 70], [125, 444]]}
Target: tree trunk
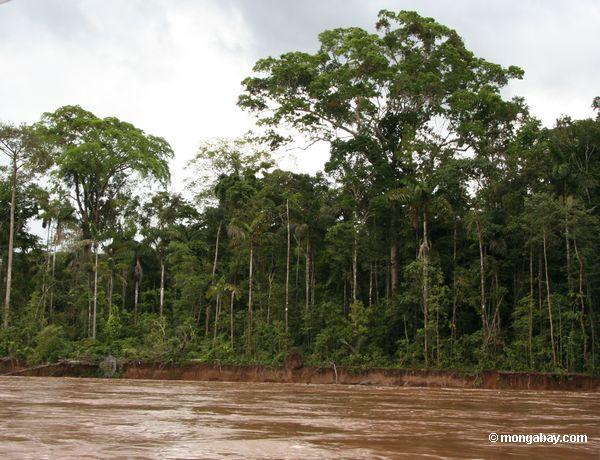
{"points": [[46, 282], [94, 314], [162, 286], [214, 267], [297, 271], [270, 278], [250, 274], [138, 278], [135, 299], [549, 298], [313, 281], [393, 267], [231, 317], [424, 254], [540, 290], [307, 276], [214, 271], [206, 318], [567, 246], [376, 283], [123, 289], [581, 303], [354, 268], [217, 309], [370, 283], [287, 265], [454, 291], [11, 238], [482, 283], [531, 300], [307, 264], [110, 292]]}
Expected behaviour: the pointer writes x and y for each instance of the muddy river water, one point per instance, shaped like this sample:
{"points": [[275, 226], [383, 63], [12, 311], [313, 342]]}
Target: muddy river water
{"points": [[88, 418]]}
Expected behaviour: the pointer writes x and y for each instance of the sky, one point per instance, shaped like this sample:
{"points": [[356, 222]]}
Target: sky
{"points": [[174, 67]]}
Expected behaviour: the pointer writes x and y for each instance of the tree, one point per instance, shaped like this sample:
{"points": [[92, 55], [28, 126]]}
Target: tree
{"points": [[98, 161], [21, 147], [412, 82]]}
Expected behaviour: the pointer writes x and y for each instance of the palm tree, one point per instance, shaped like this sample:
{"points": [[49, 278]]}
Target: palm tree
{"points": [[249, 232]]}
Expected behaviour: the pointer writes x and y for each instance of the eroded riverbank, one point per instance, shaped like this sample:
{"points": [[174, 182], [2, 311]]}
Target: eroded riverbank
{"points": [[317, 375]]}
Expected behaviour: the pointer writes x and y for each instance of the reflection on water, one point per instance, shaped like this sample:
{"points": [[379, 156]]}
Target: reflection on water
{"points": [[75, 418]]}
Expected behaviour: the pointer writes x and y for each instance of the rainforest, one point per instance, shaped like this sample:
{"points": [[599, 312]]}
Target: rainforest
{"points": [[449, 229]]}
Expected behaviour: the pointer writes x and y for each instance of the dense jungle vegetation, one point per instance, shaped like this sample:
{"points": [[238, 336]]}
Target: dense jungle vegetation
{"points": [[449, 229]]}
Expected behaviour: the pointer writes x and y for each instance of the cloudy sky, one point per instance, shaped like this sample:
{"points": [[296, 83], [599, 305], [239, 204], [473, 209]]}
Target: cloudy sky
{"points": [[173, 67]]}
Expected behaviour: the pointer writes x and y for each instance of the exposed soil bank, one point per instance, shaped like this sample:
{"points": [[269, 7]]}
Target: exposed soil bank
{"points": [[317, 375]]}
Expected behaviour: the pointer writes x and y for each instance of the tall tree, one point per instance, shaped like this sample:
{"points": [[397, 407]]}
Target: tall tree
{"points": [[98, 160], [21, 147], [414, 80]]}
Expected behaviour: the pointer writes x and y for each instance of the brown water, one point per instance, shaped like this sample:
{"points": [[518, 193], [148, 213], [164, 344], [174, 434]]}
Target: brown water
{"points": [[87, 418]]}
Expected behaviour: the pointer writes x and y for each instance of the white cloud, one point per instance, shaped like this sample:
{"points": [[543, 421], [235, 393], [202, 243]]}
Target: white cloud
{"points": [[173, 67]]}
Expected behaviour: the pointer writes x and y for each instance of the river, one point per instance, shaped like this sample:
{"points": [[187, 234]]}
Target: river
{"points": [[95, 418]]}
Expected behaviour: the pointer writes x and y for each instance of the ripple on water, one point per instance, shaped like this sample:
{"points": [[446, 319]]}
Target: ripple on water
{"points": [[75, 418]]}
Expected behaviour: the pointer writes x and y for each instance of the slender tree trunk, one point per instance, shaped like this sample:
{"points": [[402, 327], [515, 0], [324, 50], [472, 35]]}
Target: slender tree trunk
{"points": [[345, 296], [110, 292], [95, 289], [287, 265], [370, 283], [531, 300], [162, 286], [297, 272], [424, 253], [387, 279], [354, 268], [11, 238], [250, 275], [51, 310], [307, 276], [376, 283], [313, 282], [454, 290], [482, 283], [214, 267], [206, 318], [393, 267], [307, 315], [270, 281], [214, 271], [581, 303], [549, 298], [217, 308], [46, 282], [135, 299], [568, 246], [231, 317], [89, 321], [138, 279], [540, 291], [123, 289]]}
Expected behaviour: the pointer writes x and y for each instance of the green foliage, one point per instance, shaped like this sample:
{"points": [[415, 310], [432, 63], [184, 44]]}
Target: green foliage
{"points": [[449, 229], [50, 345]]}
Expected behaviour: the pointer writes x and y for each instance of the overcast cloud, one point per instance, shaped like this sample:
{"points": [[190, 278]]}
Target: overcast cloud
{"points": [[173, 67]]}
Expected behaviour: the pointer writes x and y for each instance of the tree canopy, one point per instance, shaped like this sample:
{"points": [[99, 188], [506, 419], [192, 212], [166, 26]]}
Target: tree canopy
{"points": [[449, 228]]}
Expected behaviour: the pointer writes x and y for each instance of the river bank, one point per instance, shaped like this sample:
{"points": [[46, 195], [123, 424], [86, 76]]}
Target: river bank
{"points": [[297, 373]]}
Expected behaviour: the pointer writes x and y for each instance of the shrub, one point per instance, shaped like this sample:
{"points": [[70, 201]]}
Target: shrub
{"points": [[50, 344]]}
